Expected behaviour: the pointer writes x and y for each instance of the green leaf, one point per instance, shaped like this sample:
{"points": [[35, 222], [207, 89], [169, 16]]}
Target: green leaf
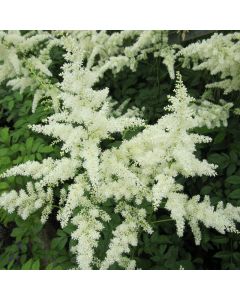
{"points": [[36, 145], [18, 96], [10, 265], [29, 144], [222, 160], [4, 185], [62, 243], [17, 161], [219, 137], [69, 229], [5, 161], [50, 266], [28, 265], [223, 254], [4, 135], [233, 179], [18, 232], [233, 156], [206, 190], [220, 239], [231, 169], [36, 265], [39, 156], [20, 123], [59, 242], [10, 105], [235, 194], [4, 151], [45, 149], [61, 233]]}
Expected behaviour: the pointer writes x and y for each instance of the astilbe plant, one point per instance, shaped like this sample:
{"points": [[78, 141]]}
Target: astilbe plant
{"points": [[220, 55], [138, 171], [105, 51], [26, 59]]}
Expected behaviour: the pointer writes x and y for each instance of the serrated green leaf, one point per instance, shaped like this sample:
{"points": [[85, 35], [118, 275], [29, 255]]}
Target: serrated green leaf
{"points": [[219, 137], [45, 149], [235, 194], [223, 254], [28, 265], [29, 144], [4, 151], [4, 185], [233, 179], [36, 265], [4, 135]]}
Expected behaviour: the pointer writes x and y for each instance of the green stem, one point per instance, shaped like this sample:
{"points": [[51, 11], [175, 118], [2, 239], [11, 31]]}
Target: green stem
{"points": [[56, 206], [162, 221]]}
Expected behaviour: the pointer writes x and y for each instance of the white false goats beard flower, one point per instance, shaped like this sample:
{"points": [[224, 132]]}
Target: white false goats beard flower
{"points": [[26, 60], [139, 171], [26, 56], [220, 55]]}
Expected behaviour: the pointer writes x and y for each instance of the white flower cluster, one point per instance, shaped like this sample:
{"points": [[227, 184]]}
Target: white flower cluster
{"points": [[104, 51], [26, 57], [87, 234], [29, 201], [141, 170], [125, 235], [212, 115], [220, 55], [26, 60]]}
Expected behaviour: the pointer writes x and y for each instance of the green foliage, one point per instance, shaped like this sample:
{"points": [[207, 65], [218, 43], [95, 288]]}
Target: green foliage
{"points": [[26, 244]]}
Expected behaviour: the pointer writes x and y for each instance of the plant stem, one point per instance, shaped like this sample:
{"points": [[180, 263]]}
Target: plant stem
{"points": [[161, 221]]}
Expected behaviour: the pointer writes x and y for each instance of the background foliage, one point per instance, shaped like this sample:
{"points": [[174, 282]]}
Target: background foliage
{"points": [[30, 245]]}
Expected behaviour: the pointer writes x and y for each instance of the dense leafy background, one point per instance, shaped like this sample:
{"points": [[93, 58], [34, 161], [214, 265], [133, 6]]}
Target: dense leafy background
{"points": [[30, 245]]}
